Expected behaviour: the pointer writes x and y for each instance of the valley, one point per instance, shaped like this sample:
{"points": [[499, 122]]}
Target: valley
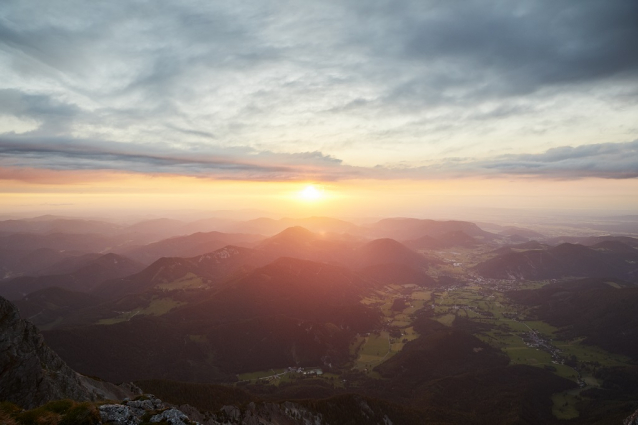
{"points": [[311, 315]]}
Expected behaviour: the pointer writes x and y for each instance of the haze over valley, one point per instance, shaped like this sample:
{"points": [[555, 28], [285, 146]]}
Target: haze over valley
{"points": [[401, 313]]}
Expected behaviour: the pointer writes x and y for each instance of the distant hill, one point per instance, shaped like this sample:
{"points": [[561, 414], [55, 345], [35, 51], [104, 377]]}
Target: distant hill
{"points": [[207, 269], [614, 246], [161, 227], [189, 246], [521, 231], [387, 251], [593, 240], [565, 260], [88, 275], [51, 305], [291, 287], [524, 246], [269, 226], [411, 228], [213, 224], [452, 239], [397, 274], [54, 224], [82, 243], [18, 262], [299, 242], [425, 242], [68, 264]]}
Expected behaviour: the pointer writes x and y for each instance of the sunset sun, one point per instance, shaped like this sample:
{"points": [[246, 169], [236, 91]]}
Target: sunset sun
{"points": [[311, 193]]}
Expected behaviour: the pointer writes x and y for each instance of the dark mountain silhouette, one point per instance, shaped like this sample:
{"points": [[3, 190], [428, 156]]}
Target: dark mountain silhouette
{"points": [[86, 277], [564, 260]]}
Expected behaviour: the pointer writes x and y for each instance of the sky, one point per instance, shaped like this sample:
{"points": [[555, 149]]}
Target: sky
{"points": [[387, 107]]}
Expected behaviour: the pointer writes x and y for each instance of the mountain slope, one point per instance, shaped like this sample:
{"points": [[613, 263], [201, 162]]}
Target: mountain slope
{"points": [[90, 274], [32, 373], [299, 242], [189, 246], [387, 251], [601, 310], [404, 229], [446, 240], [49, 306], [269, 226], [565, 260], [208, 268], [291, 287]]}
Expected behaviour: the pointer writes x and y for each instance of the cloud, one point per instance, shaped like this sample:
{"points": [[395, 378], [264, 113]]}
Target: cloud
{"points": [[607, 161], [364, 81], [237, 164]]}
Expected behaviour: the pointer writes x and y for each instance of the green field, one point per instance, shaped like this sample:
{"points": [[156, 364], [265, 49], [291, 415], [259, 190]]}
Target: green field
{"points": [[446, 319], [252, 376], [374, 350], [565, 404], [421, 295], [190, 280], [157, 307]]}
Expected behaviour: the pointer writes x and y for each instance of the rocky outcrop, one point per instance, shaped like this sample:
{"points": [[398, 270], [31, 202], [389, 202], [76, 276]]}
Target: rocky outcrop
{"points": [[147, 408], [632, 420], [32, 374]]}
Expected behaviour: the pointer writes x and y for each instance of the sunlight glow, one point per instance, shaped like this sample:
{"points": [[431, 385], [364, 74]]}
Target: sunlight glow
{"points": [[311, 193]]}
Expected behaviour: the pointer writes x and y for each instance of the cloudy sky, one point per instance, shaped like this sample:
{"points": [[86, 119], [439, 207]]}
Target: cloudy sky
{"points": [[329, 92]]}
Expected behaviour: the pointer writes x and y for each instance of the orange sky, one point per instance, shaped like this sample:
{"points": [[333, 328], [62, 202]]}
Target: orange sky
{"points": [[93, 191], [425, 106]]}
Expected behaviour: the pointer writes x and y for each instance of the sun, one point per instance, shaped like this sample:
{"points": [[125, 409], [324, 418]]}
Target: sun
{"points": [[311, 193]]}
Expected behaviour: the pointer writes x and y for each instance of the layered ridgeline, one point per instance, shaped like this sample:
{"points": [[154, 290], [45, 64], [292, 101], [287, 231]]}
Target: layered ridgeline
{"points": [[394, 321]]}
